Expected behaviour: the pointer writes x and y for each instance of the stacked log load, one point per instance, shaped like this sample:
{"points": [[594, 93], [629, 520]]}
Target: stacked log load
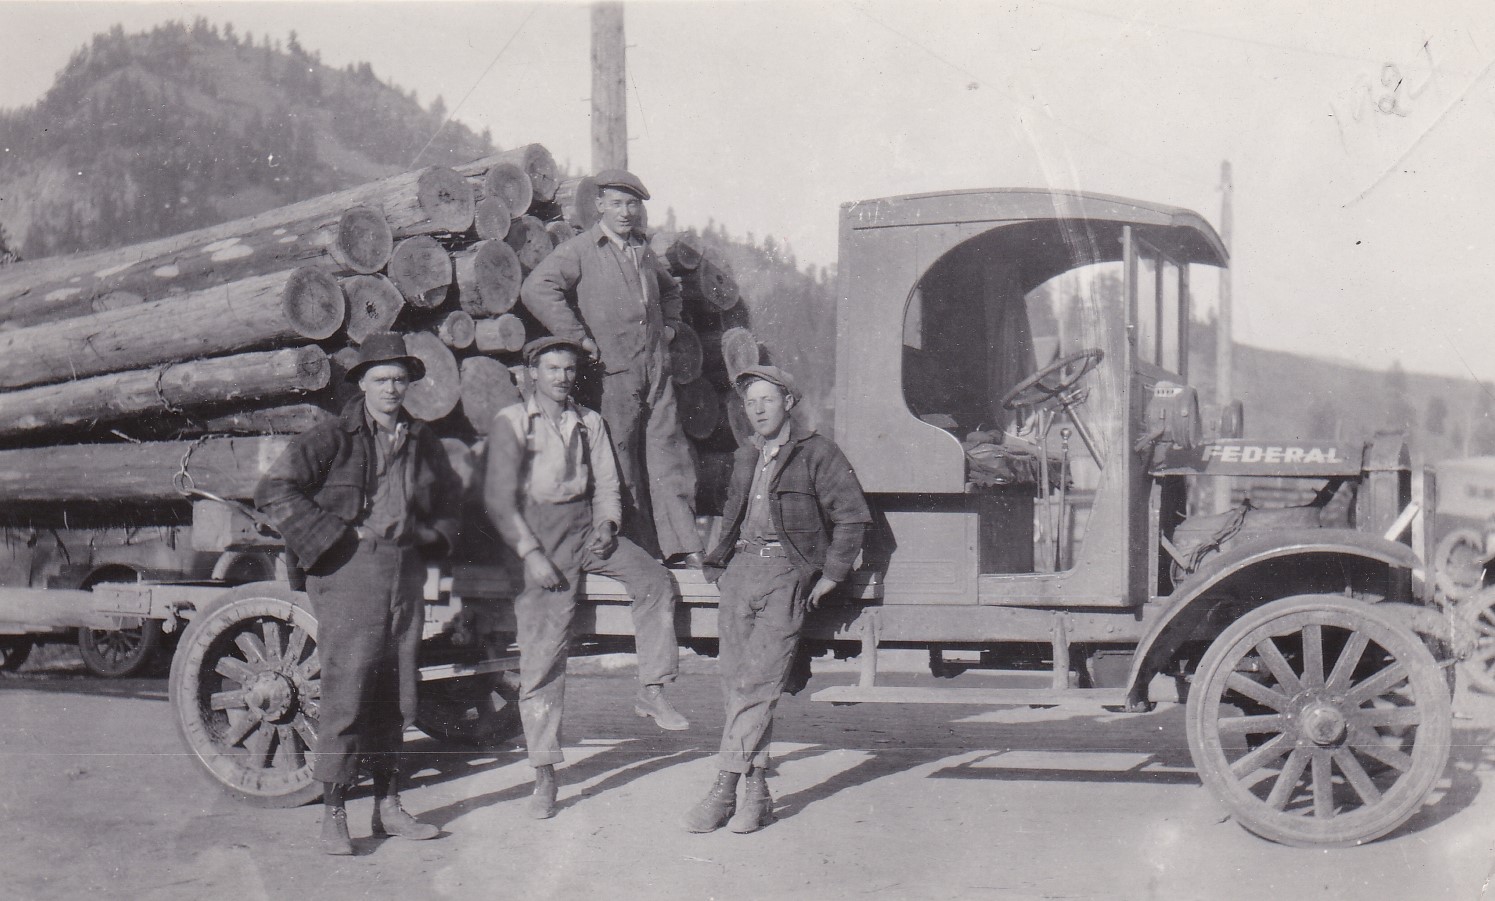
{"points": [[127, 375]]}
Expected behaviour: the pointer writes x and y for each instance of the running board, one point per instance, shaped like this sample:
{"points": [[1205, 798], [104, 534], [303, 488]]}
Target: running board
{"points": [[985, 697]]}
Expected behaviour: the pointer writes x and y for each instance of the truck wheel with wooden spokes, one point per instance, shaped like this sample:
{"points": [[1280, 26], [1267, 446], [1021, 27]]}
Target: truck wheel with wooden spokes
{"points": [[1478, 613], [245, 685], [1319, 720], [124, 651]]}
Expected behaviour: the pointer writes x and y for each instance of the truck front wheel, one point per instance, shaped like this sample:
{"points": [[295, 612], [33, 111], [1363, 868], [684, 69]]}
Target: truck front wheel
{"points": [[1319, 720]]}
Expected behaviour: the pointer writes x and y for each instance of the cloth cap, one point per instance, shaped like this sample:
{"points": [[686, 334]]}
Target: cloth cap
{"points": [[535, 348], [386, 347], [771, 374], [623, 180]]}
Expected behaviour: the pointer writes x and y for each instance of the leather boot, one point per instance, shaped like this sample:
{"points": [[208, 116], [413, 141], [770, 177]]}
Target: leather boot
{"points": [[335, 838], [542, 801], [713, 811], [757, 805], [651, 701], [391, 819]]}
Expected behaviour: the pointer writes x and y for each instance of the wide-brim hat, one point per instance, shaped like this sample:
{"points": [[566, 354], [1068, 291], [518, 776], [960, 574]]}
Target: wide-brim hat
{"points": [[623, 180], [535, 348], [771, 374], [386, 347]]}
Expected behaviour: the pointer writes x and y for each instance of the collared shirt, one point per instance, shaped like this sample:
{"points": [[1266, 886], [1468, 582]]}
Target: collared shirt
{"points": [[388, 505], [757, 526], [535, 459]]}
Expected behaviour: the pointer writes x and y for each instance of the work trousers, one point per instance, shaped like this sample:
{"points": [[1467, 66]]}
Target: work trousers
{"points": [[759, 618], [367, 598], [544, 618], [654, 465]]}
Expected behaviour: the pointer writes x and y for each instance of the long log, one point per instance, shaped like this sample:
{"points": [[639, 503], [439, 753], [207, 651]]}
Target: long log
{"points": [[48, 289], [685, 355], [700, 408], [257, 312], [286, 419], [530, 241], [374, 303], [488, 277], [422, 271], [437, 393], [505, 334], [228, 467], [105, 398], [577, 198], [487, 387]]}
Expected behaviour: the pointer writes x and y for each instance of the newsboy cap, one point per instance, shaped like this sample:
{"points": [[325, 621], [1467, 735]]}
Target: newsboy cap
{"points": [[623, 180], [535, 348], [386, 347], [771, 374]]}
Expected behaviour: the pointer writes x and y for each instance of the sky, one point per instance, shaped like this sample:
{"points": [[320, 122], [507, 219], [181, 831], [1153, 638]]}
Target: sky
{"points": [[1358, 133]]}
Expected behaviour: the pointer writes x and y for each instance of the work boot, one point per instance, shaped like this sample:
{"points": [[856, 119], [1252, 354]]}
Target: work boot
{"points": [[692, 560], [651, 701], [713, 811], [391, 819], [757, 805], [542, 801], [335, 838]]}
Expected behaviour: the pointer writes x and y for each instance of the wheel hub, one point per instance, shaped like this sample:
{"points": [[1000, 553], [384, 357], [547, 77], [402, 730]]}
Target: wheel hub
{"points": [[1323, 724], [272, 695]]}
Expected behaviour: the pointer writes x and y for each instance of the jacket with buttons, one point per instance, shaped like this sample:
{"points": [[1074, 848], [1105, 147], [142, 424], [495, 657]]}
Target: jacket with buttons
{"points": [[323, 484], [591, 274], [815, 501]]}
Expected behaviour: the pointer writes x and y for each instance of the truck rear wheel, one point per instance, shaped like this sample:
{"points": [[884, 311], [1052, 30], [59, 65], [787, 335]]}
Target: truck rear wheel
{"points": [[1319, 720], [120, 653], [245, 685], [1478, 611]]}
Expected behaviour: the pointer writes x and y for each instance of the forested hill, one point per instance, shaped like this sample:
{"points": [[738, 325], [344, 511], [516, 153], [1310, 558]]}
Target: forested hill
{"points": [[144, 135]]}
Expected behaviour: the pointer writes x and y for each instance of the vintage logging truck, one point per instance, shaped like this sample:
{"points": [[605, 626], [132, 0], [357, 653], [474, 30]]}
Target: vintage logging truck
{"points": [[1032, 500]]}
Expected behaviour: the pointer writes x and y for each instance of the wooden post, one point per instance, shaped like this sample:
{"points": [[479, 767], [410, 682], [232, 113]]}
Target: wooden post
{"points": [[609, 97]]}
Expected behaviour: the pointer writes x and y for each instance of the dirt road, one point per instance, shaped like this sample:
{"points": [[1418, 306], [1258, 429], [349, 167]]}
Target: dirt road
{"points": [[100, 801]]}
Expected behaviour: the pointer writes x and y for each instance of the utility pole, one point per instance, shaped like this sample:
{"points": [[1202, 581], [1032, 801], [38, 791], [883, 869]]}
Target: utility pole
{"points": [[609, 98], [1224, 340]]}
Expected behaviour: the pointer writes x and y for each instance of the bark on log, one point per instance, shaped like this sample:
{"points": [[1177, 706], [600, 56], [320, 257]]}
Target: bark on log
{"points": [[700, 408], [245, 315], [488, 277], [683, 257], [437, 393], [577, 198], [228, 467], [509, 182], [710, 284], [491, 221], [55, 288], [739, 351], [422, 271], [530, 241], [374, 303], [487, 387], [288, 419], [106, 398], [506, 334], [456, 330], [685, 355]]}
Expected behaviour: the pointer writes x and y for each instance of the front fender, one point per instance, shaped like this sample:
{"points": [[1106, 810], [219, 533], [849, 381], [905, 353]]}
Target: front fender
{"points": [[1259, 570]]}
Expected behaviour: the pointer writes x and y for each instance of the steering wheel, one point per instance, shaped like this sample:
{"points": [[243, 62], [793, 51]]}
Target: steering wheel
{"points": [[1035, 389]]}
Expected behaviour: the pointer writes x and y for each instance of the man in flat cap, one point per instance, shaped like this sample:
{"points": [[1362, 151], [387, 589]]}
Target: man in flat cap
{"points": [[606, 290], [791, 530], [363, 502], [551, 489]]}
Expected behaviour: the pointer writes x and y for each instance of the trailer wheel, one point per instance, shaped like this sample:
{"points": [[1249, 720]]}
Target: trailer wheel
{"points": [[13, 652], [245, 685], [1319, 720], [119, 653], [1478, 612], [472, 712]]}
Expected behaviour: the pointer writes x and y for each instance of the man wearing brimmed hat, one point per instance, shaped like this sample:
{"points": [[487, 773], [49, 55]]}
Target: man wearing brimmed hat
{"points": [[792, 527], [362, 502], [551, 489], [606, 290]]}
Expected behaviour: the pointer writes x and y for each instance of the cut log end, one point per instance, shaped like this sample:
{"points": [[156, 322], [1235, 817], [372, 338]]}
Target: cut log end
{"points": [[506, 334], [492, 218], [364, 241], [682, 256], [487, 387], [577, 198], [488, 279], [530, 241], [457, 330], [422, 271], [686, 356], [435, 395], [446, 199], [509, 182], [739, 351], [374, 303], [560, 232], [313, 303], [700, 409]]}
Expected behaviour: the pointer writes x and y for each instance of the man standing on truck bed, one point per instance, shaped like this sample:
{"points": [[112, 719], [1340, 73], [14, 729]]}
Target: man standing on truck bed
{"points": [[627, 308], [362, 501], [791, 530], [551, 489]]}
